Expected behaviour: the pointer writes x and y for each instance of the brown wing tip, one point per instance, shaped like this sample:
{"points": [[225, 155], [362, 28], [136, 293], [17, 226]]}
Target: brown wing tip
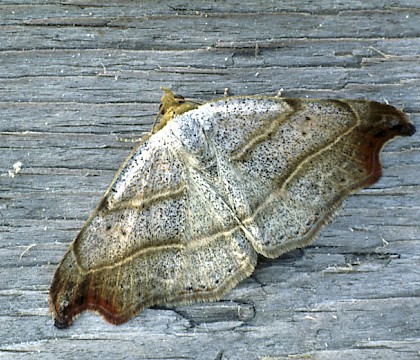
{"points": [[389, 121], [70, 296], [380, 124], [62, 323], [64, 316], [408, 130]]}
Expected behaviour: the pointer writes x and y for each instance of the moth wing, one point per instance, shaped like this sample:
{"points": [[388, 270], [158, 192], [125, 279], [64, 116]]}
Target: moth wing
{"points": [[160, 234], [188, 211], [297, 160]]}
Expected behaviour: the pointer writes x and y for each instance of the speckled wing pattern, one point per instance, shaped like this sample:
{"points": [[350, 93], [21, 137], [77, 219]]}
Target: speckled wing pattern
{"points": [[193, 205]]}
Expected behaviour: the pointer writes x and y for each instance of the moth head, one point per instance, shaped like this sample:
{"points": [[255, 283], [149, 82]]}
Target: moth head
{"points": [[169, 100]]}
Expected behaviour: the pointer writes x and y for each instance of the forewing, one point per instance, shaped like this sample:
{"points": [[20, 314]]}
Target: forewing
{"points": [[293, 161], [160, 234]]}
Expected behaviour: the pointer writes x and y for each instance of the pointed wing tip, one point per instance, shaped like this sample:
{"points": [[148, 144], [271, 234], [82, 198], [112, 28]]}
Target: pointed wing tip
{"points": [[65, 314], [381, 124], [409, 130], [390, 120], [60, 321], [73, 292], [61, 324]]}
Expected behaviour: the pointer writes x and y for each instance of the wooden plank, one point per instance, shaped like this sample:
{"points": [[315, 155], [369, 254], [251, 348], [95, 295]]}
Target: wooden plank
{"points": [[76, 76]]}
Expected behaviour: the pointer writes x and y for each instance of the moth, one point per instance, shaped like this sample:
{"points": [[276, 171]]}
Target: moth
{"points": [[211, 187]]}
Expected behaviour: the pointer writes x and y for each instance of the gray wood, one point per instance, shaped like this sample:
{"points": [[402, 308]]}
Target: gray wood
{"points": [[76, 76]]}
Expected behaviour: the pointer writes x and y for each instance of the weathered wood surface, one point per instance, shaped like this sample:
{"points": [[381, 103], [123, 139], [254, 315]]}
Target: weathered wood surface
{"points": [[75, 76]]}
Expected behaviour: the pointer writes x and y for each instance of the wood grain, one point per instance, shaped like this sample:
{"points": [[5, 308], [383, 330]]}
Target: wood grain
{"points": [[76, 76]]}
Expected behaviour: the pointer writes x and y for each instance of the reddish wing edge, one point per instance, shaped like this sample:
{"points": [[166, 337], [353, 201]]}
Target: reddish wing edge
{"points": [[85, 300], [392, 123], [386, 122]]}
